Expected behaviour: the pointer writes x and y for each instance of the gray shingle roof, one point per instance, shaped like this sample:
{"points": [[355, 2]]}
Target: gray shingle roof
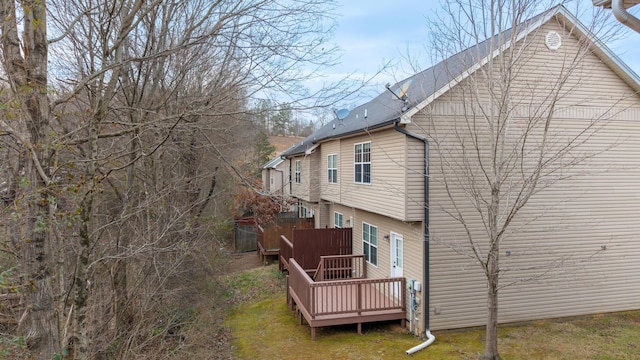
{"points": [[386, 109], [273, 163]]}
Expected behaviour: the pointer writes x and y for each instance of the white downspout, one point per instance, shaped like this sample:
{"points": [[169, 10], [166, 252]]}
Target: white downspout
{"points": [[623, 16], [430, 340]]}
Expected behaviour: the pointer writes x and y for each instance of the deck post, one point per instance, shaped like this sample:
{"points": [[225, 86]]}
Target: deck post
{"points": [[313, 333], [359, 328], [359, 297], [287, 287]]}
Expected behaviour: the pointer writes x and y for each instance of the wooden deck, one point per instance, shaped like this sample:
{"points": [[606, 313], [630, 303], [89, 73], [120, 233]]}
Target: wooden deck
{"points": [[345, 301], [265, 249]]}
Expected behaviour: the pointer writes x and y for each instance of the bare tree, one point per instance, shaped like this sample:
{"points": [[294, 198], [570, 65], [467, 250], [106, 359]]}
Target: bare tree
{"points": [[127, 120], [503, 144]]}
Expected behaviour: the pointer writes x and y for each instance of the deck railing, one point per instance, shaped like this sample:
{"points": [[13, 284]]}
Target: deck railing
{"points": [[286, 252], [354, 296], [340, 267], [260, 236]]}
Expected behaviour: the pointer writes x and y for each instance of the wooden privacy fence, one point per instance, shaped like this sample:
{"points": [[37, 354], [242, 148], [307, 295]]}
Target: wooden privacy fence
{"points": [[308, 245], [244, 234], [269, 237], [351, 301]]}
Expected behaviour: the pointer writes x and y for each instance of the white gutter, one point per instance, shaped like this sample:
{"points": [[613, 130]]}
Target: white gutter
{"points": [[430, 340], [623, 16]]}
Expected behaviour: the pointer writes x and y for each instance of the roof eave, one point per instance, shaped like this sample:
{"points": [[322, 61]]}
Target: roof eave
{"points": [[602, 51], [362, 130]]}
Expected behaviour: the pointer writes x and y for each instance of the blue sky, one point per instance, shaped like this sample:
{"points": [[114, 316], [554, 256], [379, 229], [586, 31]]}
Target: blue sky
{"points": [[371, 33]]}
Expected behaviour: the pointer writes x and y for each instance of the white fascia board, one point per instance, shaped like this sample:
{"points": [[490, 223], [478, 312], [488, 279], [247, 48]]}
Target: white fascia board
{"points": [[604, 53], [411, 112], [601, 50], [605, 3], [414, 110]]}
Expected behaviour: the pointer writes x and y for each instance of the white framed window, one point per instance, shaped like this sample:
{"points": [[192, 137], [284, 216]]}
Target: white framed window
{"points": [[370, 243], [362, 163], [337, 220], [298, 171], [303, 212], [332, 168]]}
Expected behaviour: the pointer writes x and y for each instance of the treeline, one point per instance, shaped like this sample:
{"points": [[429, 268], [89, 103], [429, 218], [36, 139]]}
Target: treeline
{"points": [[280, 119], [126, 127]]}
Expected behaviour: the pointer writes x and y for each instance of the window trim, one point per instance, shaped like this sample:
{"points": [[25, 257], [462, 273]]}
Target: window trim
{"points": [[367, 255], [298, 171], [332, 170], [362, 163], [338, 215]]}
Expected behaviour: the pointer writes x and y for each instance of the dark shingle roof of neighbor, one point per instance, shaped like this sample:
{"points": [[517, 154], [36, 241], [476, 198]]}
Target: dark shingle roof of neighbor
{"points": [[386, 109], [273, 163]]}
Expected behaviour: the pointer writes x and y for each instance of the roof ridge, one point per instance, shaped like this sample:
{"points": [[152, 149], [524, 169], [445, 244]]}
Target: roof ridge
{"points": [[385, 109]]}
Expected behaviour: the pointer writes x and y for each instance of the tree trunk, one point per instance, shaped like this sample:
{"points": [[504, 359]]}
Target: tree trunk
{"points": [[491, 342], [25, 65], [81, 345]]}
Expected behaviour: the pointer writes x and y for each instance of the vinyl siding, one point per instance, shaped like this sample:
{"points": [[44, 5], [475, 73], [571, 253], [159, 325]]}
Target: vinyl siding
{"points": [[265, 180], [280, 178], [574, 248], [412, 249], [324, 219], [386, 194], [309, 187], [396, 188], [272, 179], [331, 192], [415, 180], [313, 209]]}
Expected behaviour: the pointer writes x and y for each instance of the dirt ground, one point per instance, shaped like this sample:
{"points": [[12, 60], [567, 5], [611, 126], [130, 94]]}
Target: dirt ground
{"points": [[245, 261]]}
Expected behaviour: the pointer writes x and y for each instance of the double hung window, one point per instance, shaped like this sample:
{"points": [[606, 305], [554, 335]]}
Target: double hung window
{"points": [[332, 168], [337, 220], [298, 170], [370, 243], [362, 163]]}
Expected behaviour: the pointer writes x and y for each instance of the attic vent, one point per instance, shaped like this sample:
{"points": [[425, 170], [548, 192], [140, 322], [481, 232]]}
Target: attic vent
{"points": [[553, 40]]}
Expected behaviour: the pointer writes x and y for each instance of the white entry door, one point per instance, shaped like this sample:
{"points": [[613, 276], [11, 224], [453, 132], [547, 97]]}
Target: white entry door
{"points": [[397, 257]]}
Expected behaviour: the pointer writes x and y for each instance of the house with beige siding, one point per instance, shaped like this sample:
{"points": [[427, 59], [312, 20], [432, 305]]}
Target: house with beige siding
{"points": [[273, 176], [388, 172]]}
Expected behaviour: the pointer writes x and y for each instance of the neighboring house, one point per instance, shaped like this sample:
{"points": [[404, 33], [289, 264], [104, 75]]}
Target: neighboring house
{"points": [[274, 176], [367, 172], [275, 173]]}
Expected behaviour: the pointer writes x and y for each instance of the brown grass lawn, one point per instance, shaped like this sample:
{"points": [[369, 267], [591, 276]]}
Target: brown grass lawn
{"points": [[262, 327]]}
